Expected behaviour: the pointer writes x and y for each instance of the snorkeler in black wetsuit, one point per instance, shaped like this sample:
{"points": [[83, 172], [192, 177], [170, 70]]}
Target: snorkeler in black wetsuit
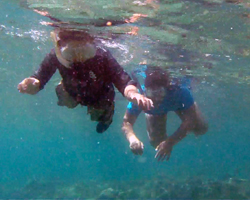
{"points": [[88, 75]]}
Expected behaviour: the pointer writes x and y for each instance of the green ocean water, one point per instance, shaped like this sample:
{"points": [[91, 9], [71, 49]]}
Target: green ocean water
{"points": [[52, 152]]}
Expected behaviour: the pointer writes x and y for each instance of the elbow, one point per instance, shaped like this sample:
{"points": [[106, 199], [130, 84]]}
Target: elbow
{"points": [[188, 125], [199, 128], [126, 126], [123, 127]]}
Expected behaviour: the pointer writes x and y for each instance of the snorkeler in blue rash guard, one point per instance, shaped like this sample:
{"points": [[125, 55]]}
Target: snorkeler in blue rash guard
{"points": [[176, 98], [166, 96]]}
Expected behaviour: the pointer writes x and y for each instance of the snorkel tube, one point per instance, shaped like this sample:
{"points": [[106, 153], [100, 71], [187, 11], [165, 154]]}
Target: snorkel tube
{"points": [[137, 82]]}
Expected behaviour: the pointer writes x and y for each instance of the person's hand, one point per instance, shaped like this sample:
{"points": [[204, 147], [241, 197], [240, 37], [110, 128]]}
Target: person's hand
{"points": [[136, 146], [29, 86], [142, 101], [164, 150]]}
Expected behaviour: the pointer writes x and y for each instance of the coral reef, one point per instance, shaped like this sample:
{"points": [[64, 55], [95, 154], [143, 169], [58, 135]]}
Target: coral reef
{"points": [[159, 188]]}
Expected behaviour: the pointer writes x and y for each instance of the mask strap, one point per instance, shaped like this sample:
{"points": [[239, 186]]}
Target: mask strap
{"points": [[59, 56]]}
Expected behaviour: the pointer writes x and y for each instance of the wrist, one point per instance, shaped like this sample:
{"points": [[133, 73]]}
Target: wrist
{"points": [[129, 91], [132, 138], [172, 140]]}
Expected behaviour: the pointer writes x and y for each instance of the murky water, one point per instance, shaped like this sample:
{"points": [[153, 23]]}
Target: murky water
{"points": [[52, 152]]}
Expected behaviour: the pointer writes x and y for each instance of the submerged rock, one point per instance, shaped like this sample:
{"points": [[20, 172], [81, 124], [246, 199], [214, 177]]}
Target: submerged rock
{"points": [[108, 193]]}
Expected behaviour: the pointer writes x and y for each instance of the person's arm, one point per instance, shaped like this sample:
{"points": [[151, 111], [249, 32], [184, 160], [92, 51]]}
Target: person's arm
{"points": [[125, 85], [164, 149], [47, 69], [135, 144], [188, 123], [33, 84], [118, 76], [191, 120], [131, 93], [186, 113]]}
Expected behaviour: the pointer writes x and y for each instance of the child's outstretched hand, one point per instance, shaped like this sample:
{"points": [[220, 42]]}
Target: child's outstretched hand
{"points": [[29, 86]]}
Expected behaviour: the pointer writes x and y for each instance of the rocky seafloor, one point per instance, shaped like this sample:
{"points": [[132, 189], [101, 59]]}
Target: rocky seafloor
{"points": [[158, 188]]}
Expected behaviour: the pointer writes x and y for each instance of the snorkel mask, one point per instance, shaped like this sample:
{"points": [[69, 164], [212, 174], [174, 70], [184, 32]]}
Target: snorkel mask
{"points": [[155, 92], [71, 51], [156, 83]]}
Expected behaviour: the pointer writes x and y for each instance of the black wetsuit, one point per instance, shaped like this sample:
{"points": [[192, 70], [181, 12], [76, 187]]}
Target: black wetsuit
{"points": [[91, 82]]}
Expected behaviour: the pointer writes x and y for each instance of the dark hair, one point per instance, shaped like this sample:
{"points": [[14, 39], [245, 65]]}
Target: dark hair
{"points": [[73, 34], [156, 76]]}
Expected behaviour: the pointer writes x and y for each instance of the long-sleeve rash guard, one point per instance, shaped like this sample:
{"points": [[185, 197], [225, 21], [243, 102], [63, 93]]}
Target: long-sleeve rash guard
{"points": [[90, 82]]}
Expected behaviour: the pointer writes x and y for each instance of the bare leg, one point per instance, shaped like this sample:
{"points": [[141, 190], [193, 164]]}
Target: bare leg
{"points": [[156, 128]]}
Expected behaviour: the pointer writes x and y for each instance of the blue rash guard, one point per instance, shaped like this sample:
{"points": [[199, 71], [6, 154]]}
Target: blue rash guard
{"points": [[178, 97]]}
